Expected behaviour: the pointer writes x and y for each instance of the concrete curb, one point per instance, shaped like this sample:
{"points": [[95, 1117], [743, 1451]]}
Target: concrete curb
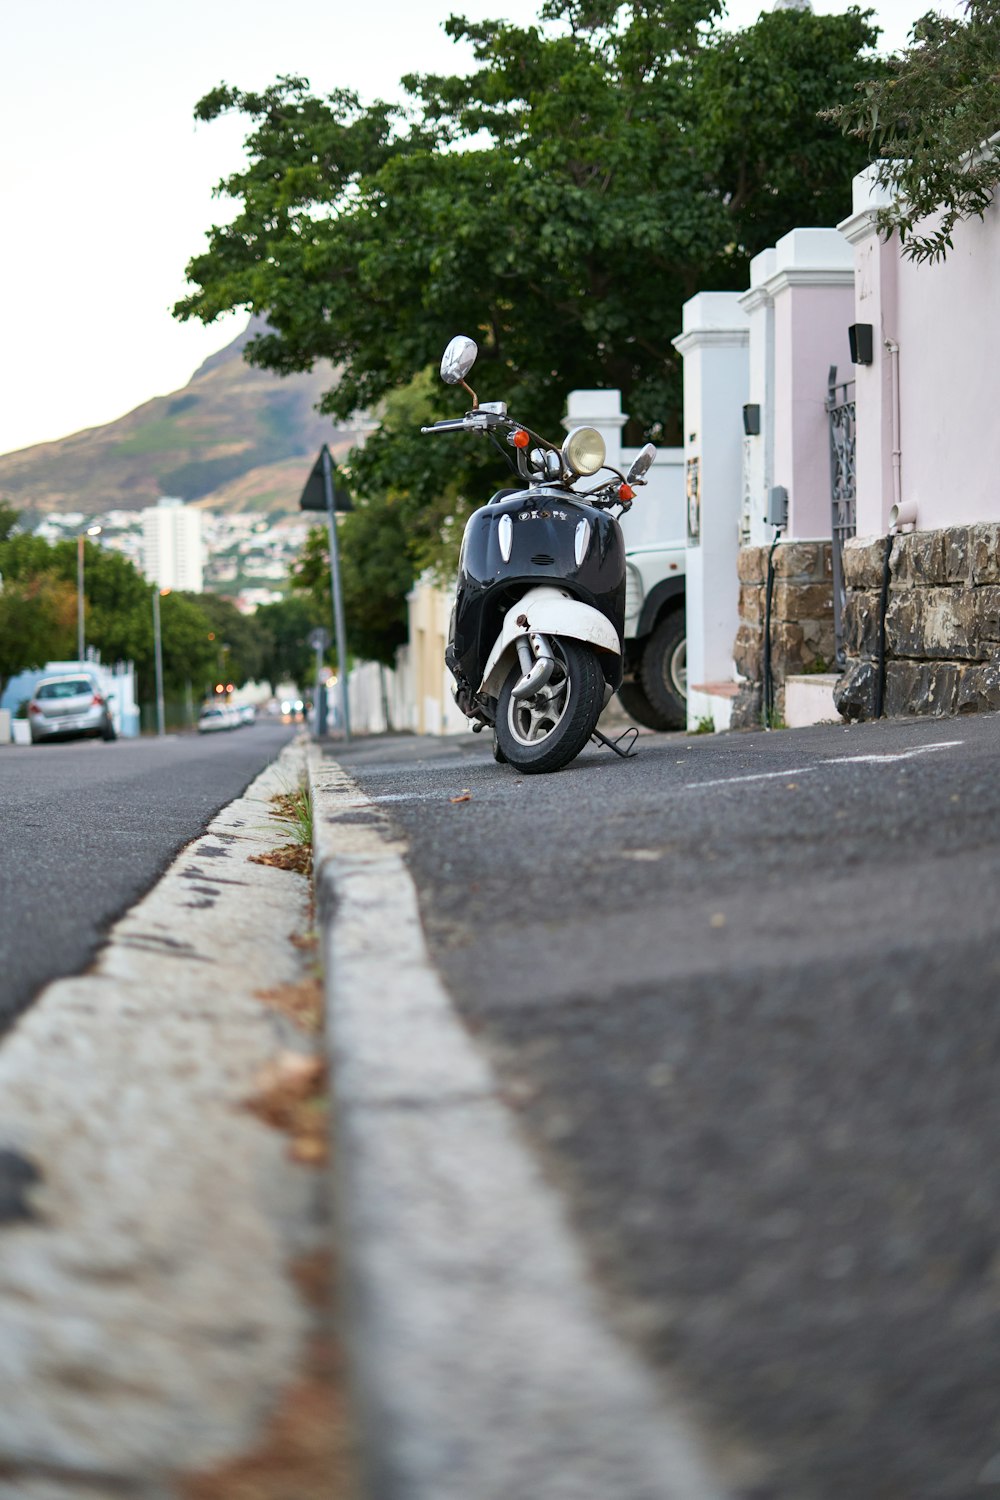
{"points": [[484, 1366], [147, 1314]]}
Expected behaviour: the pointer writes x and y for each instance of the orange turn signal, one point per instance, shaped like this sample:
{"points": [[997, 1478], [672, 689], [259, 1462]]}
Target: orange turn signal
{"points": [[626, 492], [521, 439]]}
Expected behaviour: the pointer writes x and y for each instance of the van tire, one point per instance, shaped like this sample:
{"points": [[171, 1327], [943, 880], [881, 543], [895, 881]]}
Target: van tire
{"points": [[662, 671], [638, 707]]}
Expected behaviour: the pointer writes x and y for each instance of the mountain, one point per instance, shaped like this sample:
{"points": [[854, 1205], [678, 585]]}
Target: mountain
{"points": [[234, 438]]}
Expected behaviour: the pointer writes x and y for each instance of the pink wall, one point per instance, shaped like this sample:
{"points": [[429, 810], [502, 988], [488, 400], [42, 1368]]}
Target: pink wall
{"points": [[810, 335], [946, 320]]}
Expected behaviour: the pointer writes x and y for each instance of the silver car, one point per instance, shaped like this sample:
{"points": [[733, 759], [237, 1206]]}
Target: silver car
{"points": [[67, 707], [216, 716]]}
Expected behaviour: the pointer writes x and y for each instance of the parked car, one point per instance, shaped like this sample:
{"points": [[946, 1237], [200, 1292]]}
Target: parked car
{"points": [[215, 716], [69, 707]]}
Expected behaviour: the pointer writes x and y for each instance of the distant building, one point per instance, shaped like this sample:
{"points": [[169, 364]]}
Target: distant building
{"points": [[172, 546]]}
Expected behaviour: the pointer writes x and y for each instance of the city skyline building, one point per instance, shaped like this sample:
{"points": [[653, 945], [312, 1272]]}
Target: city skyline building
{"points": [[172, 551]]}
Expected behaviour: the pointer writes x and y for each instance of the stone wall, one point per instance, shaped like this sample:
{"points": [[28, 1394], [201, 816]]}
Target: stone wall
{"points": [[942, 624], [801, 622]]}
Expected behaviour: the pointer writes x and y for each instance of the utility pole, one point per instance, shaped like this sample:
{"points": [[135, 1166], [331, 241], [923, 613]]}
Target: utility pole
{"points": [[158, 657], [336, 590], [80, 642]]}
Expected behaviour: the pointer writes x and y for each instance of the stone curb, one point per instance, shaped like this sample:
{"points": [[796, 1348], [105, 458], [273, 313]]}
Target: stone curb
{"points": [[483, 1362], [147, 1314]]}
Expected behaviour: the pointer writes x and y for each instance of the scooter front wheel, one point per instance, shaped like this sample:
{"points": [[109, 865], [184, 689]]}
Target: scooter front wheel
{"points": [[544, 732]]}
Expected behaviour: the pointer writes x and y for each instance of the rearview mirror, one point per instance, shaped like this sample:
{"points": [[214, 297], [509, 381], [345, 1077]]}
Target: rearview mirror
{"points": [[458, 359], [641, 463]]}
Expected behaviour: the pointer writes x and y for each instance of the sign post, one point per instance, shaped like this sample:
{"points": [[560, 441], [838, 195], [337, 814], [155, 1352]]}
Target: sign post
{"points": [[319, 639], [320, 484]]}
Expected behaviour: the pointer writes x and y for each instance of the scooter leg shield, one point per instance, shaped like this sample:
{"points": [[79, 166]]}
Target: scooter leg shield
{"points": [[551, 612]]}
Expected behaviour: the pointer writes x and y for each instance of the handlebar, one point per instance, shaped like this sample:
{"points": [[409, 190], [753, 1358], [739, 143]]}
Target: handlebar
{"points": [[457, 424]]}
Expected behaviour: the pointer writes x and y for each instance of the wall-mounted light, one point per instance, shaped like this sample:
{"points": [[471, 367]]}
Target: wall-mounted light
{"points": [[751, 420], [860, 337]]}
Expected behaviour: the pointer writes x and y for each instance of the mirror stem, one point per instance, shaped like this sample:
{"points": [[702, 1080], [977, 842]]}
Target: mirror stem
{"points": [[475, 398]]}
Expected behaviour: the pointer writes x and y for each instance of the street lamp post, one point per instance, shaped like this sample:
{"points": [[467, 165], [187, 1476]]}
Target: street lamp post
{"points": [[158, 660], [80, 642]]}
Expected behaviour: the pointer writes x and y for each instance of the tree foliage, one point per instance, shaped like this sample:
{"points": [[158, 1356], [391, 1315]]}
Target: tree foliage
{"points": [[560, 205], [37, 624], [932, 121], [284, 627], [39, 579], [8, 519]]}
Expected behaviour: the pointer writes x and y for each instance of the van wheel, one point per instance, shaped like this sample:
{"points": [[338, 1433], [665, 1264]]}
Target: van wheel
{"points": [[663, 672]]}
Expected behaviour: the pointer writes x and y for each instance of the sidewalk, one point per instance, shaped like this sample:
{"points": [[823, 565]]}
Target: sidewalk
{"points": [[155, 1228]]}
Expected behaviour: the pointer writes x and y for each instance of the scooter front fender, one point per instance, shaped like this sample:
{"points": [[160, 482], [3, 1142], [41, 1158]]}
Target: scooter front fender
{"points": [[549, 611]]}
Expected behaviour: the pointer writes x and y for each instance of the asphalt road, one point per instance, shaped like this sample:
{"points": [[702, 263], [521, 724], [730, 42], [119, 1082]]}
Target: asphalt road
{"points": [[86, 828], [743, 993]]}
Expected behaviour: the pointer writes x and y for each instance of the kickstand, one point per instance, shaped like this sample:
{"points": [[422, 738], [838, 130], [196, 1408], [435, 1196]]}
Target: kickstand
{"points": [[631, 734]]}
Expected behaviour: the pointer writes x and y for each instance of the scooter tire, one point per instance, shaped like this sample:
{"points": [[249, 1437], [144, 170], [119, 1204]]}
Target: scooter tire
{"points": [[575, 726]]}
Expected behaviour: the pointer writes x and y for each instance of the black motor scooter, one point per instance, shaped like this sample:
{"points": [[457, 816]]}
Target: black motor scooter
{"points": [[536, 636]]}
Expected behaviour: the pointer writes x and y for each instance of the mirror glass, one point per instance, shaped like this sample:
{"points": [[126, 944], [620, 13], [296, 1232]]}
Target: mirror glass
{"points": [[641, 463], [458, 359]]}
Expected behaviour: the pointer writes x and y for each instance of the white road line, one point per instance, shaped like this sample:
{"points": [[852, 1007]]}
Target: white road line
{"points": [[837, 760], [891, 755], [696, 786]]}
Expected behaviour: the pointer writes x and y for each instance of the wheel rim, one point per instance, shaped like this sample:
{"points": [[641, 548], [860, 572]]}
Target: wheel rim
{"points": [[532, 720], [675, 670]]}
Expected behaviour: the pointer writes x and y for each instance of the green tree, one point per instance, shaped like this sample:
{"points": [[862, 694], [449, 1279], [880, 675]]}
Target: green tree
{"points": [[37, 624], [235, 642], [8, 520], [286, 655], [931, 120], [118, 609], [560, 205]]}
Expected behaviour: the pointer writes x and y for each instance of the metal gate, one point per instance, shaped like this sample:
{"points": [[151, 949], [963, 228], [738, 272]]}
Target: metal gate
{"points": [[843, 489]]}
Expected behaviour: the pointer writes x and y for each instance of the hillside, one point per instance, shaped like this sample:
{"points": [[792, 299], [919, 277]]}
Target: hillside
{"points": [[234, 438]]}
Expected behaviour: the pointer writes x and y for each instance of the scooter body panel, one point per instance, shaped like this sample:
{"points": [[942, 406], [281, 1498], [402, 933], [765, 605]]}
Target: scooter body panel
{"points": [[543, 537], [552, 611]]}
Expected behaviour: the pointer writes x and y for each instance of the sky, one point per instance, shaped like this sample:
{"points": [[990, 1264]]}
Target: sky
{"points": [[107, 182]]}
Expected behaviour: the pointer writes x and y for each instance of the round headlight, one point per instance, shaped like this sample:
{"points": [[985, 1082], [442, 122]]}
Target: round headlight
{"points": [[584, 451]]}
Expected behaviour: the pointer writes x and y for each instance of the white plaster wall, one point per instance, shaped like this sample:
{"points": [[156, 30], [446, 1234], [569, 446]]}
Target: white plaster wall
{"points": [[657, 517], [811, 335], [658, 514], [949, 379], [945, 319], [800, 304], [715, 347]]}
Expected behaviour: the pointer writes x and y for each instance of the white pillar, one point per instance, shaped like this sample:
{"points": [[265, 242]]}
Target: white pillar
{"points": [[603, 410], [714, 344], [800, 305]]}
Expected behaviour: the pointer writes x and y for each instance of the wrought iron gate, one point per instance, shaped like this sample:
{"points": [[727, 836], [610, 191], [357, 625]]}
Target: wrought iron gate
{"points": [[843, 489]]}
